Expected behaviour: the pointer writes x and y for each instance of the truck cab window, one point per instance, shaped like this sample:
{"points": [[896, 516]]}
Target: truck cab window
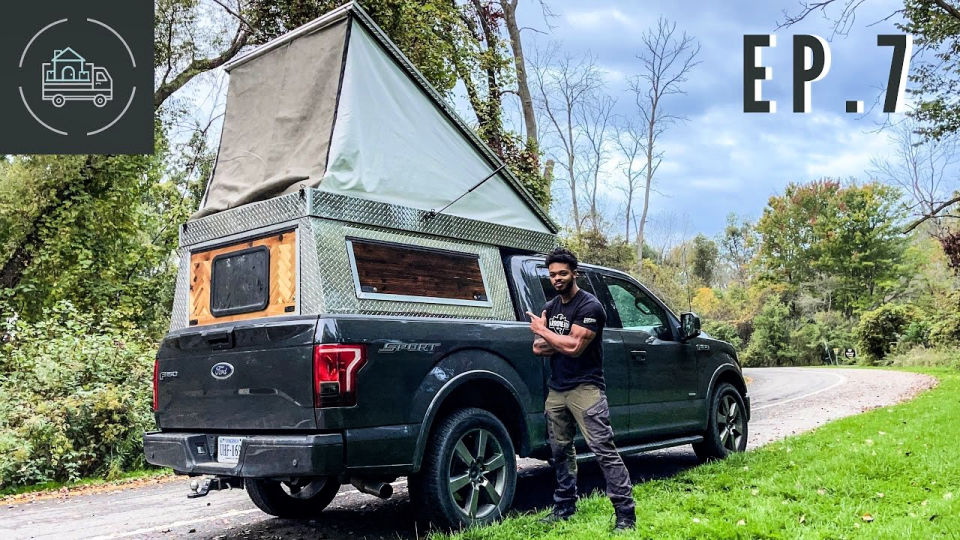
{"points": [[636, 309]]}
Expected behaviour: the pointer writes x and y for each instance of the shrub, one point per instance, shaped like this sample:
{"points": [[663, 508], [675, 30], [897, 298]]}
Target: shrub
{"points": [[770, 342], [881, 328], [75, 398]]}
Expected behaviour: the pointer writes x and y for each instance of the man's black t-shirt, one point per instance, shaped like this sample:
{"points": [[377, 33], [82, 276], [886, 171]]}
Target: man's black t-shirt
{"points": [[584, 310]]}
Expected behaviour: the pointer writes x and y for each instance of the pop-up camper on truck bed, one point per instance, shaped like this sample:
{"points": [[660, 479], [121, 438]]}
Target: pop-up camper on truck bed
{"points": [[332, 325]]}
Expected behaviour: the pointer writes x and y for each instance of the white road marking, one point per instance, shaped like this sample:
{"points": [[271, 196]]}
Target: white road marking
{"points": [[841, 380], [232, 513]]}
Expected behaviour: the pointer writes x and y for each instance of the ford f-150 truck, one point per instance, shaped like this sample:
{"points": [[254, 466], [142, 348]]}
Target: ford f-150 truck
{"points": [[297, 405], [350, 301]]}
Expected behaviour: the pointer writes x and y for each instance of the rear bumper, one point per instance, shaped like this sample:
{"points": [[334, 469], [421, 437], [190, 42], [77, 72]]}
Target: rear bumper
{"points": [[261, 456]]}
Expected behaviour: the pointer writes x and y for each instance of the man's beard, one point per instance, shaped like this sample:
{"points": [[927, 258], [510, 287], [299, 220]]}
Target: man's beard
{"points": [[564, 288]]}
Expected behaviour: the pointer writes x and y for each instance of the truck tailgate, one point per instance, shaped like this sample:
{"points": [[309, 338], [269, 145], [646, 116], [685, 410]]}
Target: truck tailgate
{"points": [[251, 375]]}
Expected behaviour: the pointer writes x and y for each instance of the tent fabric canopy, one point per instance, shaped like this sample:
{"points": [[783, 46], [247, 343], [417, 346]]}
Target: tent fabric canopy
{"points": [[333, 106]]}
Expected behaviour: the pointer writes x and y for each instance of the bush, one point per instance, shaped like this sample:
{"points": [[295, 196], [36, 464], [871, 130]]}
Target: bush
{"points": [[75, 398], [882, 328], [770, 342]]}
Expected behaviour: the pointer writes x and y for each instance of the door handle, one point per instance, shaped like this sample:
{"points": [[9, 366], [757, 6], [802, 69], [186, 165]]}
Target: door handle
{"points": [[640, 356]]}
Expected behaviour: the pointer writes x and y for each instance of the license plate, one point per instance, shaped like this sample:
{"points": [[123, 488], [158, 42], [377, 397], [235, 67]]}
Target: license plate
{"points": [[228, 449]]}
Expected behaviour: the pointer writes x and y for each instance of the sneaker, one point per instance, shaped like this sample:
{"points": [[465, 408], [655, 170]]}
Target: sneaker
{"points": [[626, 521], [557, 515]]}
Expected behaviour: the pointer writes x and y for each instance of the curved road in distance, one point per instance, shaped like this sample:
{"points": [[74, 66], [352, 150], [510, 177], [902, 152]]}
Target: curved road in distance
{"points": [[784, 401]]}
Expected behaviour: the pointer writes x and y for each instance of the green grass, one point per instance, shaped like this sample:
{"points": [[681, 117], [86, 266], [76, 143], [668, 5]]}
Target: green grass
{"points": [[890, 473], [52, 486]]}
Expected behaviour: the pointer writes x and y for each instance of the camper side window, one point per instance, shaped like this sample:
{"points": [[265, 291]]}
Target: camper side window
{"points": [[389, 271]]}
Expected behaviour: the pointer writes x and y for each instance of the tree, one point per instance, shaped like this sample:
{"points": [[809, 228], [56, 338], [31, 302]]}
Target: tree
{"points": [[738, 246], [666, 60], [924, 170], [822, 229], [594, 118], [629, 138], [704, 259], [564, 84]]}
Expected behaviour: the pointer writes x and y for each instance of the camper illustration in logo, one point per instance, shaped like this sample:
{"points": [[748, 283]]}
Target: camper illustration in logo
{"points": [[69, 77]]}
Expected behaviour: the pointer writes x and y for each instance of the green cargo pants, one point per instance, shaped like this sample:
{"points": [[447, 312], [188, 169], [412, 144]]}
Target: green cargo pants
{"points": [[585, 406]]}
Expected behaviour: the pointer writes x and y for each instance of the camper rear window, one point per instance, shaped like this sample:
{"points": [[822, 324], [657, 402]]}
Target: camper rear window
{"points": [[402, 272], [240, 282]]}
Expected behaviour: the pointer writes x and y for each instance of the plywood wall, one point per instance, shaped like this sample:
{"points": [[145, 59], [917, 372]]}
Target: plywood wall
{"points": [[283, 279]]}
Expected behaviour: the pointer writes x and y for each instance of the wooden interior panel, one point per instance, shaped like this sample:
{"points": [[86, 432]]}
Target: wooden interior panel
{"points": [[283, 279], [407, 270]]}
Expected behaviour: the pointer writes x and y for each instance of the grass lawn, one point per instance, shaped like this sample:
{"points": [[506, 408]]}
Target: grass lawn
{"points": [[84, 482], [893, 472]]}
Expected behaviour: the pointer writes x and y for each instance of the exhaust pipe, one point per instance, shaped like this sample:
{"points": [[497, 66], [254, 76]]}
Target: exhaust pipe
{"points": [[371, 487]]}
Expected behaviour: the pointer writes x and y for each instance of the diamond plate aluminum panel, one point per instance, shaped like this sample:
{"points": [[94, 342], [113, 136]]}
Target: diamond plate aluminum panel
{"points": [[391, 216], [311, 287], [178, 318], [340, 295], [244, 218]]}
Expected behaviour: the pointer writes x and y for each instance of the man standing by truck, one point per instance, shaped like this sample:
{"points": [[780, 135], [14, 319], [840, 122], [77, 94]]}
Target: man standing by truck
{"points": [[570, 332]]}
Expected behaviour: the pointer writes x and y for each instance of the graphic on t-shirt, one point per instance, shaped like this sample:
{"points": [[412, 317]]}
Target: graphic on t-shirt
{"points": [[559, 324]]}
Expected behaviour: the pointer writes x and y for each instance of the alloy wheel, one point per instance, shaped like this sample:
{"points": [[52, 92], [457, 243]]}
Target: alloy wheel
{"points": [[477, 473], [730, 423]]}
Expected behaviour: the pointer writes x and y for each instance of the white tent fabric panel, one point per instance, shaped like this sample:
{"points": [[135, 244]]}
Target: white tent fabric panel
{"points": [[280, 111], [392, 144]]}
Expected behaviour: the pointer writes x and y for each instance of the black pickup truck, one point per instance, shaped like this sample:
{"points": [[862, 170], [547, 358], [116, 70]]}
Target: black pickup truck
{"points": [[292, 407]]}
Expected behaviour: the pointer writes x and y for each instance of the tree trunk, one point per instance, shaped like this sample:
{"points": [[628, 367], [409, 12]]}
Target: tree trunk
{"points": [[548, 172], [526, 100]]}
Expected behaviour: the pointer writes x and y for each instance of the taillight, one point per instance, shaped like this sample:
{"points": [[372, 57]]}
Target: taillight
{"points": [[156, 380], [335, 370]]}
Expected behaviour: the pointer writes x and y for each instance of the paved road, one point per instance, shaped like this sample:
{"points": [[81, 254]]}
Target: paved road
{"points": [[785, 401]]}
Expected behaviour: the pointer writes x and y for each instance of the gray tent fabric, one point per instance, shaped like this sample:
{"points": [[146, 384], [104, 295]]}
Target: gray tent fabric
{"points": [[280, 111], [338, 87], [392, 144]]}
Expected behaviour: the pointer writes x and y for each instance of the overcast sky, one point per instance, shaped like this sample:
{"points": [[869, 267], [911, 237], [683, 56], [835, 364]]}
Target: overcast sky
{"points": [[721, 159]]}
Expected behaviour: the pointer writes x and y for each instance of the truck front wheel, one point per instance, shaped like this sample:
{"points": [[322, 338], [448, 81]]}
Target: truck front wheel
{"points": [[469, 471], [299, 498], [726, 427], [100, 100]]}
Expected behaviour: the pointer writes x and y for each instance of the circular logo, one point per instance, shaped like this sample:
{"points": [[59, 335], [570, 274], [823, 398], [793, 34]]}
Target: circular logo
{"points": [[77, 76], [221, 371]]}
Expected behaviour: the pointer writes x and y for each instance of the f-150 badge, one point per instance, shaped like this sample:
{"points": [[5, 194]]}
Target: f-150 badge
{"points": [[411, 347]]}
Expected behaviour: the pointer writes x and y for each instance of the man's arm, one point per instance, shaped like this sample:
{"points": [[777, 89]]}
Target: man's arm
{"points": [[541, 347], [572, 344]]}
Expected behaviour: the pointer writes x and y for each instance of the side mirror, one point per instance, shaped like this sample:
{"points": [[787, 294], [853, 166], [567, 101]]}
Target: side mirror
{"points": [[689, 326]]}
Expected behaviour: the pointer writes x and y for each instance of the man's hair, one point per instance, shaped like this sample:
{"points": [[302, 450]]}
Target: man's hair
{"points": [[562, 255]]}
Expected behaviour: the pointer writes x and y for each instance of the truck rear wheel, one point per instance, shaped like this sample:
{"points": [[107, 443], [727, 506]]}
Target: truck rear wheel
{"points": [[300, 498], [59, 101], [469, 471]]}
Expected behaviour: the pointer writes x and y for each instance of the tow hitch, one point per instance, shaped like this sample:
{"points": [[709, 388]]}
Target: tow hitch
{"points": [[206, 485]]}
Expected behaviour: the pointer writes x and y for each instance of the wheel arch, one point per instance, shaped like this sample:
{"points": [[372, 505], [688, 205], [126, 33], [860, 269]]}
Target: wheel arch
{"points": [[727, 373], [479, 388]]}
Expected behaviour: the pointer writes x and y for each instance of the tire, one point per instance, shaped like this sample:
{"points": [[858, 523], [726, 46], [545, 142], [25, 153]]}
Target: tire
{"points": [[302, 498], [100, 100], [726, 425], [469, 472], [59, 101]]}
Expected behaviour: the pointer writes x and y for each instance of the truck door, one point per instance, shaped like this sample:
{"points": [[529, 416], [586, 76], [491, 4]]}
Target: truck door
{"points": [[662, 371], [614, 363]]}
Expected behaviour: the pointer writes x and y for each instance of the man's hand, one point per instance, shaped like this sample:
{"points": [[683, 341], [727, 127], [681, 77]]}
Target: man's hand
{"points": [[541, 347], [538, 325]]}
